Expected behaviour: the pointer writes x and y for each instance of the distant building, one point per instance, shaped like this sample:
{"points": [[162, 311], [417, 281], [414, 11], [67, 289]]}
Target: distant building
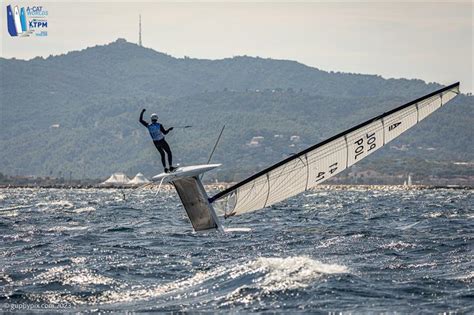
{"points": [[464, 163], [256, 141], [364, 174], [295, 139], [253, 144], [403, 147], [139, 179], [116, 179], [426, 148]]}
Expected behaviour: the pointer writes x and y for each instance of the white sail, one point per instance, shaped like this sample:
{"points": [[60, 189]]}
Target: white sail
{"points": [[326, 159]]}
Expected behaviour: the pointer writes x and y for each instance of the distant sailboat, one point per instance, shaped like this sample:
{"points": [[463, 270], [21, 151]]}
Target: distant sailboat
{"points": [[407, 182]]}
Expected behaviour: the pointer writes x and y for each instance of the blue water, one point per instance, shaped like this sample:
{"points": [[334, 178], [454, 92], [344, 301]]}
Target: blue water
{"points": [[326, 251]]}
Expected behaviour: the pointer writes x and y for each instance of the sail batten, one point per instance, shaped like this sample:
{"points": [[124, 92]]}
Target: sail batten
{"points": [[324, 160]]}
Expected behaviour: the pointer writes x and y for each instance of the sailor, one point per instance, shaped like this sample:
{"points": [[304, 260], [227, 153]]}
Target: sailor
{"points": [[157, 132]]}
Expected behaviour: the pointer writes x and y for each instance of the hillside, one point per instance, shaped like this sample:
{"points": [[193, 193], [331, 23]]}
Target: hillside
{"points": [[95, 96]]}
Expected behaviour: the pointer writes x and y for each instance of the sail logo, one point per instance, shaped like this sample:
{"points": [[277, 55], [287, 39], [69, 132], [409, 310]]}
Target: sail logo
{"points": [[393, 126], [23, 22]]}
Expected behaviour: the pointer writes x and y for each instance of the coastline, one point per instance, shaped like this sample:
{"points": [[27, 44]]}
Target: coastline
{"points": [[222, 186]]}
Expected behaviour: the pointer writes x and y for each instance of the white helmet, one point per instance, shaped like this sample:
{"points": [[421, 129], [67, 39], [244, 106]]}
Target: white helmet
{"points": [[154, 117]]}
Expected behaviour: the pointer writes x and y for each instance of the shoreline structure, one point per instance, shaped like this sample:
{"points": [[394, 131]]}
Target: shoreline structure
{"points": [[222, 186]]}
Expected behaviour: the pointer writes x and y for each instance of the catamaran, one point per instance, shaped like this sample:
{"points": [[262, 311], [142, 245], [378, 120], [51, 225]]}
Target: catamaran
{"points": [[301, 171]]}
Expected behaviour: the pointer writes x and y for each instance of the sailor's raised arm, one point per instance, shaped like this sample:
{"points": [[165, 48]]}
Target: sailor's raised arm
{"points": [[144, 123], [165, 131]]}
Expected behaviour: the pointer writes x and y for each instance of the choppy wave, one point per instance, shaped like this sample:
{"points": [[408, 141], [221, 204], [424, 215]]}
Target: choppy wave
{"points": [[328, 251], [245, 281], [397, 245], [62, 228], [279, 274], [84, 209], [68, 276], [56, 204], [13, 208]]}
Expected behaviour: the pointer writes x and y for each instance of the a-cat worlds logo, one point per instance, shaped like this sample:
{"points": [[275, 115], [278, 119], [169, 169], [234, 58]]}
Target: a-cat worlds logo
{"points": [[27, 21]]}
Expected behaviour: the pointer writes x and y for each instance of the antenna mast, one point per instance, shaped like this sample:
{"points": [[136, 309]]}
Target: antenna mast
{"points": [[140, 30]]}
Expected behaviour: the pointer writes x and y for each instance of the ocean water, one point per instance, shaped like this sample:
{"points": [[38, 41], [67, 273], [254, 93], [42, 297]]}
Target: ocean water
{"points": [[357, 251]]}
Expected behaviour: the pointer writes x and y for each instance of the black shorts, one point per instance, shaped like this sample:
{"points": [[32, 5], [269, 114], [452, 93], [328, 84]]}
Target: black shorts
{"points": [[160, 143]]}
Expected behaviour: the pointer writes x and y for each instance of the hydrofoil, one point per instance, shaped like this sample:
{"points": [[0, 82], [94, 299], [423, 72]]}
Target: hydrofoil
{"points": [[187, 182]]}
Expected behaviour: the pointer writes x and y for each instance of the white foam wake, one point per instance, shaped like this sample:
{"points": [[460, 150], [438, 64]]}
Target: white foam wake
{"points": [[263, 274], [281, 274], [291, 273], [241, 229]]}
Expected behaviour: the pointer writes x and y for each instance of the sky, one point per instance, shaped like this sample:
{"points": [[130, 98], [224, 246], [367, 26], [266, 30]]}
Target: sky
{"points": [[427, 40]]}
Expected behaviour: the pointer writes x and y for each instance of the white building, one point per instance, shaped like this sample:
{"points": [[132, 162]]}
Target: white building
{"points": [[116, 179], [295, 139], [256, 141], [139, 179]]}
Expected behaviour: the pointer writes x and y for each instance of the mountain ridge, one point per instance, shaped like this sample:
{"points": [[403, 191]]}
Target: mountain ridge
{"points": [[95, 95], [120, 48]]}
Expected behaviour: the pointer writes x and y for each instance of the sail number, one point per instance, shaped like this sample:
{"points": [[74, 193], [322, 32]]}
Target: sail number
{"points": [[365, 142], [321, 175]]}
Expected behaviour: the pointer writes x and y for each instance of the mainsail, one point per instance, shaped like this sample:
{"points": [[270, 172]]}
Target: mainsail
{"points": [[324, 160]]}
